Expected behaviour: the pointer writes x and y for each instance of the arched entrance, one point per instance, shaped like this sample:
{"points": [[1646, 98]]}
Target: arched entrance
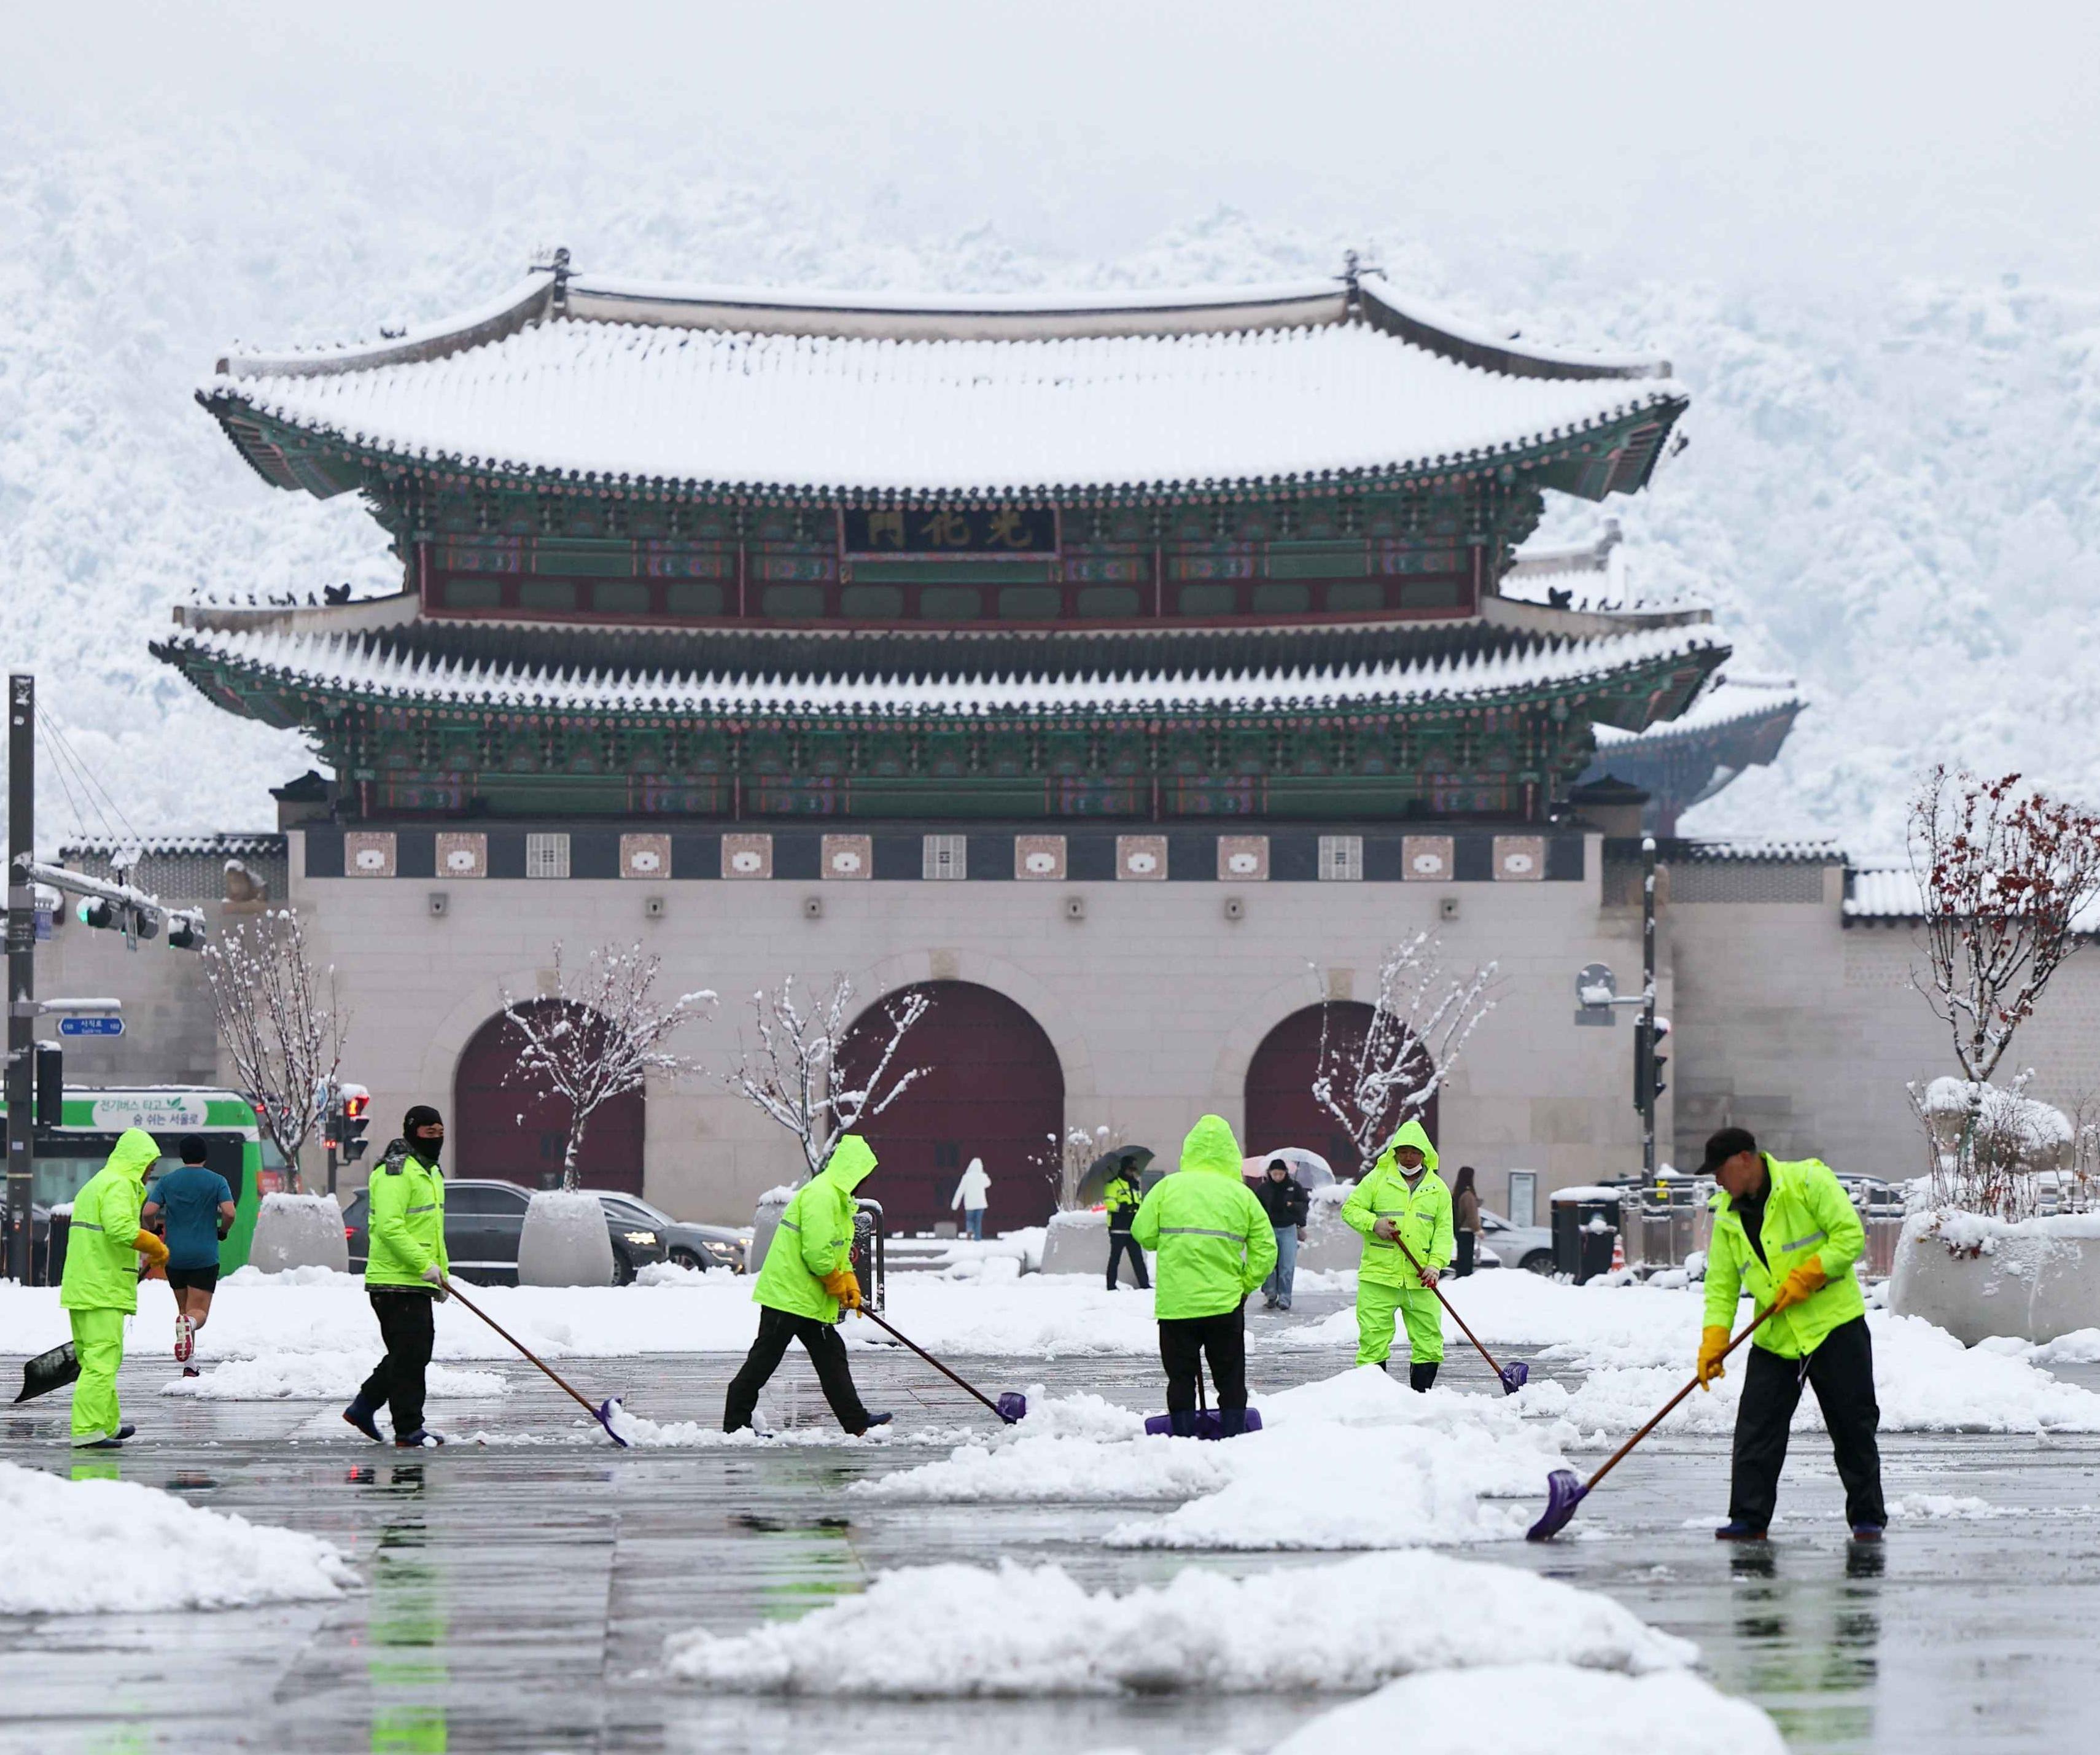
{"points": [[1281, 1108], [993, 1089], [503, 1130]]}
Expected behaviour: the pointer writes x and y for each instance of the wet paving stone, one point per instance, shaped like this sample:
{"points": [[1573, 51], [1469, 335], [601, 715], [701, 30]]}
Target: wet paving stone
{"points": [[517, 1596]]}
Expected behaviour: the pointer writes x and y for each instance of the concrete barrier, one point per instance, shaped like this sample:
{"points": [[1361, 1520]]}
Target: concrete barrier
{"points": [[298, 1231], [1078, 1242], [1977, 1277], [565, 1241]]}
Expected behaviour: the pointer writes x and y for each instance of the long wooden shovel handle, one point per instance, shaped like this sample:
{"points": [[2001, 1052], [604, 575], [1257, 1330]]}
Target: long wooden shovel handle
{"points": [[1446, 1303], [931, 1360], [452, 1290], [1663, 1412]]}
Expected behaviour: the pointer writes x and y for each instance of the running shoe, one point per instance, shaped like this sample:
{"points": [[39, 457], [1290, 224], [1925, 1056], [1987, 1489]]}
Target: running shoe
{"points": [[185, 1339]]}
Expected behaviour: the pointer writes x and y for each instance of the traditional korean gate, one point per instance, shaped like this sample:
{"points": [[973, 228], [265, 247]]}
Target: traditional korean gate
{"points": [[993, 1089], [1281, 1108], [502, 1131]]}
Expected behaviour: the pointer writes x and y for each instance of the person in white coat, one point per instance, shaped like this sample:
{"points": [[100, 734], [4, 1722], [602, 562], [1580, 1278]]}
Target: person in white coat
{"points": [[972, 1194]]}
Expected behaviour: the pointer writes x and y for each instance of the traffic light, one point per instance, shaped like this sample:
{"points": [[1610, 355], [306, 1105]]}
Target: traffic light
{"points": [[1648, 1064], [94, 911], [355, 1122], [184, 930]]}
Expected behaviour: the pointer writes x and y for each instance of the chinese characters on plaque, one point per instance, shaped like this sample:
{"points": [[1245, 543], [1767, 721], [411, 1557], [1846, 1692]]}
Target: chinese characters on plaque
{"points": [[1009, 532]]}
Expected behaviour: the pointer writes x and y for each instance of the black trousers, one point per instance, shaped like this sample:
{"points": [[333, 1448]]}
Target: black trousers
{"points": [[1119, 1242], [1842, 1373], [1466, 1240], [407, 1325], [827, 1351], [1184, 1342]]}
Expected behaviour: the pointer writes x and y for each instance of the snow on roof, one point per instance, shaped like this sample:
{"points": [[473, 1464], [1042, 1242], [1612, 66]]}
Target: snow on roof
{"points": [[353, 664], [260, 841], [1773, 852], [1730, 699], [983, 397], [1892, 891]]}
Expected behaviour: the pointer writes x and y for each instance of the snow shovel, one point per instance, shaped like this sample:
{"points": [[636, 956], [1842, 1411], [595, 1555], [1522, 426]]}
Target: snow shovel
{"points": [[1011, 1406], [49, 1371], [602, 1412], [1210, 1421], [1514, 1375], [1563, 1492]]}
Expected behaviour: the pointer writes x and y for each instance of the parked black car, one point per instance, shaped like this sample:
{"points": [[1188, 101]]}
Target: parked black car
{"points": [[690, 1246], [484, 1221]]}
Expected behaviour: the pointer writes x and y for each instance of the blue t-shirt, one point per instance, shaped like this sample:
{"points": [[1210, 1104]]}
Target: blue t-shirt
{"points": [[188, 1198]]}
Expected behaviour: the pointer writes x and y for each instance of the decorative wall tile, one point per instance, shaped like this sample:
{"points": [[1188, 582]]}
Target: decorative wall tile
{"points": [[945, 855], [1242, 858], [848, 857], [747, 856], [1341, 858], [547, 856], [645, 856], [1427, 859], [368, 853], [1141, 858], [462, 855], [1040, 856], [1519, 858]]}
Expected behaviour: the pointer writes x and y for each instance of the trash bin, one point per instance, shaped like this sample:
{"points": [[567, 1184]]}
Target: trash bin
{"points": [[1586, 1224], [51, 1270]]}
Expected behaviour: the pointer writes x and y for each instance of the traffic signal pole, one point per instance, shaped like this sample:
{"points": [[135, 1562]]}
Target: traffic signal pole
{"points": [[1646, 1060], [21, 965]]}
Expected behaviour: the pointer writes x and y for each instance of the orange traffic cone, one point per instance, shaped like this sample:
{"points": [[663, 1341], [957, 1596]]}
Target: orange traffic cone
{"points": [[1618, 1253]]}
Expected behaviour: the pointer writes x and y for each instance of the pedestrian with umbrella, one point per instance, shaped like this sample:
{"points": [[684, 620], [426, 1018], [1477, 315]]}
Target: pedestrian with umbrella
{"points": [[1120, 1197], [100, 1285], [1788, 1233], [1283, 1198], [1214, 1244], [1402, 1209]]}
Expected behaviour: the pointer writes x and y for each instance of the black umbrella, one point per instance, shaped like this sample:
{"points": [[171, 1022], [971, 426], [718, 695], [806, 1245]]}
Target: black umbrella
{"points": [[1133, 1158]]}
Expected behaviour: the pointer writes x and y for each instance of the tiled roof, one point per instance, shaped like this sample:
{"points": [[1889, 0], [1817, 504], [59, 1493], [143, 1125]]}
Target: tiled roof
{"points": [[368, 667], [1730, 699], [825, 396], [1893, 892]]}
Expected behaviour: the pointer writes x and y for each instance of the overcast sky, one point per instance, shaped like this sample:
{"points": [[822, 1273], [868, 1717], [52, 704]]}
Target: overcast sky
{"points": [[1741, 141]]}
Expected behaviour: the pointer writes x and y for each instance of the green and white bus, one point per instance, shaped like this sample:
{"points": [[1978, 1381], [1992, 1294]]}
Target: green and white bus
{"points": [[67, 1155]]}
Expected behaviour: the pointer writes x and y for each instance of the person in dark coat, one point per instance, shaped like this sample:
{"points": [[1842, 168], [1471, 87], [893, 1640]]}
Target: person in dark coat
{"points": [[1283, 1198], [1465, 1219]]}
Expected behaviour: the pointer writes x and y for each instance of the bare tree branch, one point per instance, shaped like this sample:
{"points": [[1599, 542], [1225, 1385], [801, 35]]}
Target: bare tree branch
{"points": [[790, 1074], [597, 1036], [283, 1023]]}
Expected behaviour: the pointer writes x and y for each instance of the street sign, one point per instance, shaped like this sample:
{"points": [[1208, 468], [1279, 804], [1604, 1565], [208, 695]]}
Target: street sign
{"points": [[90, 1026]]}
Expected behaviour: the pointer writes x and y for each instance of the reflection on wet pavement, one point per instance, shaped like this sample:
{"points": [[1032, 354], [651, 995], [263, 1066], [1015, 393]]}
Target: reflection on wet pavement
{"points": [[518, 1597]]}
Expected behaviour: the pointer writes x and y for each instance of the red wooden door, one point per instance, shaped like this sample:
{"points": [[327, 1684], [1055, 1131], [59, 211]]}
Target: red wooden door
{"points": [[501, 1130], [1281, 1108], [993, 1089]]}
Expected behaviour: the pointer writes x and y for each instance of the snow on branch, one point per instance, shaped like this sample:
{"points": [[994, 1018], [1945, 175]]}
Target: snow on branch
{"points": [[791, 1072], [2007, 876], [591, 1037], [282, 1022], [1420, 1022]]}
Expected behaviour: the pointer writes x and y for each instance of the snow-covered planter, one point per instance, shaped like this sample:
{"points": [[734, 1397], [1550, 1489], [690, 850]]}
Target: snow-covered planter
{"points": [[1330, 1246], [299, 1230], [1078, 1242], [763, 1222], [1976, 1277], [565, 1241]]}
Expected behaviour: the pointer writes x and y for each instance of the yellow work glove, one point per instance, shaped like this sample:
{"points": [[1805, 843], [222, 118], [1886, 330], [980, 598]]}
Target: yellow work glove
{"points": [[150, 1246], [1804, 1282], [845, 1286], [1713, 1342]]}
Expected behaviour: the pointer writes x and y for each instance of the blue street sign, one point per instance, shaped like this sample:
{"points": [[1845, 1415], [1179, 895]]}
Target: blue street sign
{"points": [[90, 1026]]}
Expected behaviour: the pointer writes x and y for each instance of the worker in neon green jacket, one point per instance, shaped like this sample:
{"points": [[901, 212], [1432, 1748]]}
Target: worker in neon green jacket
{"points": [[806, 1282], [406, 1271], [1214, 1246], [100, 1285], [1788, 1235], [1402, 1198]]}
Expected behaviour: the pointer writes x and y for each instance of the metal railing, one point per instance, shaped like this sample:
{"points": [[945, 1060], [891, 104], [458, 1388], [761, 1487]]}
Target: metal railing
{"points": [[1663, 1223]]}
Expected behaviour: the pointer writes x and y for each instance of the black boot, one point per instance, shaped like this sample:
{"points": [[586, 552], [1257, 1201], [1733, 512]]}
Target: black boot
{"points": [[1182, 1420], [1419, 1377], [359, 1413], [1232, 1423]]}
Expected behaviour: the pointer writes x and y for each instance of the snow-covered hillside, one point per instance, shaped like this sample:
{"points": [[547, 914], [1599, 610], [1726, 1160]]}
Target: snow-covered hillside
{"points": [[1891, 488]]}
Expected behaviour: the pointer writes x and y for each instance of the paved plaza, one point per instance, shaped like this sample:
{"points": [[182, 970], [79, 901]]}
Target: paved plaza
{"points": [[517, 1596]]}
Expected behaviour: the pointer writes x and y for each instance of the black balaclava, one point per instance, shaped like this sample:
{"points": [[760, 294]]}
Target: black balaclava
{"points": [[420, 1117]]}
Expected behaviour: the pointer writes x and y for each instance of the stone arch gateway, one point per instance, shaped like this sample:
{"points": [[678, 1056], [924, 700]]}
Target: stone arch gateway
{"points": [[501, 1130], [1281, 1108]]}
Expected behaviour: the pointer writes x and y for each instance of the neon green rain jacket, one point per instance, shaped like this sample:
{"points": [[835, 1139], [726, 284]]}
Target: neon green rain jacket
{"points": [[1214, 1242], [102, 1258], [1422, 1214], [406, 1231], [815, 1237], [1808, 1217]]}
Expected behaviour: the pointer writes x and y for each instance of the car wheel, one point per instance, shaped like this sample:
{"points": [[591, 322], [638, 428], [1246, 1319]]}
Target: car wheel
{"points": [[623, 1269], [687, 1259], [1538, 1261]]}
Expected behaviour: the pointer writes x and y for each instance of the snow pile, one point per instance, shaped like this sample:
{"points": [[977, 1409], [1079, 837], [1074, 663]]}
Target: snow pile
{"points": [[76, 1547], [1357, 1461], [1919, 1507], [1016, 1631], [320, 1377], [669, 1273], [1545, 1709]]}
